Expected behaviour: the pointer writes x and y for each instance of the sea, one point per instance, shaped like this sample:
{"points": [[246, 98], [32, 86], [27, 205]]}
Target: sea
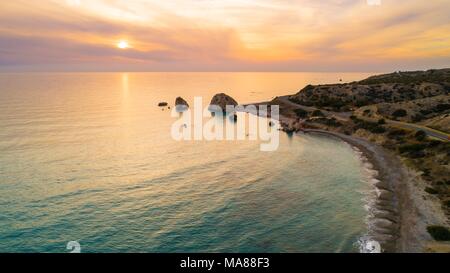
{"points": [[89, 158]]}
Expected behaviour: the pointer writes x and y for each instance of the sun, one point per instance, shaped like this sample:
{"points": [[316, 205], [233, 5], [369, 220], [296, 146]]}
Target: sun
{"points": [[123, 45]]}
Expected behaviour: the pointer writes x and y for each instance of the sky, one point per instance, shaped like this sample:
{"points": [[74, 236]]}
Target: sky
{"points": [[224, 35]]}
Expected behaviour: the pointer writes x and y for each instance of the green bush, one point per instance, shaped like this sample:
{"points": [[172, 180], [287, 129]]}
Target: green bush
{"points": [[378, 130], [381, 121], [301, 113], [334, 123], [372, 127], [426, 173], [317, 113], [425, 112], [329, 122], [431, 190], [397, 133], [439, 233], [411, 148], [417, 118], [442, 107], [435, 143], [417, 154], [420, 135], [361, 102], [400, 113]]}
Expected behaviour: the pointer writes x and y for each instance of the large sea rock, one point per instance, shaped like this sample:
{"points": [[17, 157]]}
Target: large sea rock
{"points": [[181, 105], [221, 100]]}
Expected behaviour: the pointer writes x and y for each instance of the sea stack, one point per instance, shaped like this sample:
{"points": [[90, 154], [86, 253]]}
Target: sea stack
{"points": [[221, 100], [181, 105]]}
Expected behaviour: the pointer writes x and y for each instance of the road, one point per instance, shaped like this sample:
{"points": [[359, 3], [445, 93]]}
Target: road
{"points": [[415, 127], [346, 116]]}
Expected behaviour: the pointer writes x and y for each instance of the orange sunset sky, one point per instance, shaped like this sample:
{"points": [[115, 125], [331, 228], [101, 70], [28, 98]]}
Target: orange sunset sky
{"points": [[227, 35]]}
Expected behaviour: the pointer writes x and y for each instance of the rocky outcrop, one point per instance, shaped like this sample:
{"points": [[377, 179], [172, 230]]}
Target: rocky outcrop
{"points": [[221, 100], [181, 105]]}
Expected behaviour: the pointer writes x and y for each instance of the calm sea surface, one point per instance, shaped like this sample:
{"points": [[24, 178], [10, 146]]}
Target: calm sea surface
{"points": [[90, 158]]}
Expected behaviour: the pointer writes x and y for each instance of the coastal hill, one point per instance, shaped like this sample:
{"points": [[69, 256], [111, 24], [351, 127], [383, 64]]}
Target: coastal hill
{"points": [[406, 113], [390, 88], [418, 97], [433, 75]]}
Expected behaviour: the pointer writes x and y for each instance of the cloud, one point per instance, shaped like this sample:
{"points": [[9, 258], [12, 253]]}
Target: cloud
{"points": [[236, 35]]}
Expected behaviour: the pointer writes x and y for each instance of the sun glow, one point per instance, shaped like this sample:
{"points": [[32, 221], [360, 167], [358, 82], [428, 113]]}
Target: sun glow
{"points": [[123, 45], [232, 35]]}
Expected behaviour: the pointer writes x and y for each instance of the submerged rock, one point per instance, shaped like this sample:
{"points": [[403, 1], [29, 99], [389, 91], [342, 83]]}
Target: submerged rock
{"points": [[181, 105], [163, 104], [220, 102]]}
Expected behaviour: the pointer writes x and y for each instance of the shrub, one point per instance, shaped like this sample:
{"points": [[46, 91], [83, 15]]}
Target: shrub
{"points": [[426, 173], [381, 121], [309, 87], [397, 133], [411, 148], [329, 122], [425, 112], [326, 101], [417, 154], [400, 113], [420, 135], [378, 130], [442, 107], [417, 118], [431, 190], [447, 203], [301, 113], [435, 143], [317, 113], [361, 102], [333, 122], [439, 233], [369, 126]]}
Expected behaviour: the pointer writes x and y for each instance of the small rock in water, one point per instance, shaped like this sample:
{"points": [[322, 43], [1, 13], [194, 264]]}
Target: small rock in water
{"points": [[289, 130], [163, 104], [181, 105], [221, 101]]}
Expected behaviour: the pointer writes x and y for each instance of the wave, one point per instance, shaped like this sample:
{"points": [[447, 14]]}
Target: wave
{"points": [[367, 242]]}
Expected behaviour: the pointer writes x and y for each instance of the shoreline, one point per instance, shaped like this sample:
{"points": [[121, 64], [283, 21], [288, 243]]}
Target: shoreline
{"points": [[401, 213], [385, 216]]}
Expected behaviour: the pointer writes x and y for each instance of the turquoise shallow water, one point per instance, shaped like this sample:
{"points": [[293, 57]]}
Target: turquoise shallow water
{"points": [[89, 158]]}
